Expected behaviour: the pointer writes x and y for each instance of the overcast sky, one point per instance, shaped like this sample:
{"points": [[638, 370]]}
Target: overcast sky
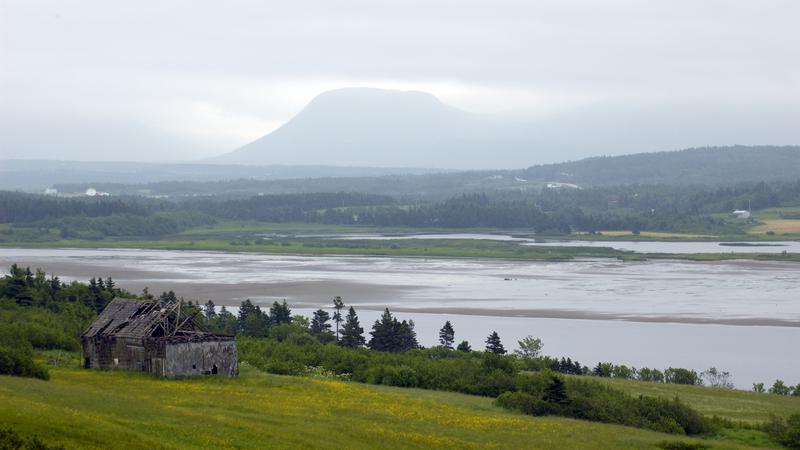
{"points": [[179, 80]]}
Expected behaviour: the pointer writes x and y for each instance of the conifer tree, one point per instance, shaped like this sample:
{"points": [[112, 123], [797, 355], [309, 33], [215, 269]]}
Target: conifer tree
{"points": [[382, 332], [556, 392], [319, 323], [391, 335], [405, 336], [447, 336], [209, 310], [338, 304], [493, 344], [464, 347], [352, 333], [280, 313]]}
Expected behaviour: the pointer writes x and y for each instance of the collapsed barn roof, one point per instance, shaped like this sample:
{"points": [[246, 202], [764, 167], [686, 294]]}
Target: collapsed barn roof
{"points": [[139, 319]]}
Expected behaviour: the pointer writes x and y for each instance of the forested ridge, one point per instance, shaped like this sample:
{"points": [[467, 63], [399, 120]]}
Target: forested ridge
{"points": [[704, 166], [708, 167], [544, 210]]}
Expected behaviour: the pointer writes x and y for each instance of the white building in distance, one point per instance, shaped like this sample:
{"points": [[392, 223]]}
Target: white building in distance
{"points": [[741, 214]]}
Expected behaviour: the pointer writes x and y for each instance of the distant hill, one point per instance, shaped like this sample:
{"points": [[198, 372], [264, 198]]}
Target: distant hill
{"points": [[386, 128], [708, 166], [719, 166]]}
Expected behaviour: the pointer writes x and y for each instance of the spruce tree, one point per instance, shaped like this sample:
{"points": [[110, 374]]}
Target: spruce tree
{"points": [[352, 333], [280, 313], [447, 336], [464, 347], [383, 333], [209, 310], [556, 392], [493, 344], [391, 335], [319, 322], [405, 336], [338, 304]]}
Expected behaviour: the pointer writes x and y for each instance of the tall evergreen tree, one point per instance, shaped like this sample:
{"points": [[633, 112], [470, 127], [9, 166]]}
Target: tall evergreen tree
{"points": [[447, 336], [280, 313], [209, 310], [383, 333], [391, 335], [556, 392], [493, 344], [319, 322], [405, 336], [338, 304], [352, 333], [252, 321]]}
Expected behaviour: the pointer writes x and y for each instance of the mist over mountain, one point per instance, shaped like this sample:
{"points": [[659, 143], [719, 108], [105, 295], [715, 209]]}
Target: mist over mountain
{"points": [[386, 128]]}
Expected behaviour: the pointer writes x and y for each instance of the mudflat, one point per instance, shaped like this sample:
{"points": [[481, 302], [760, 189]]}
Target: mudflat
{"points": [[723, 292]]}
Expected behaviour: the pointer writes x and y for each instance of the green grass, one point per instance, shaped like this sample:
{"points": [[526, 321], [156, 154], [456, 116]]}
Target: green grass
{"points": [[442, 248], [248, 237], [731, 404], [93, 409]]}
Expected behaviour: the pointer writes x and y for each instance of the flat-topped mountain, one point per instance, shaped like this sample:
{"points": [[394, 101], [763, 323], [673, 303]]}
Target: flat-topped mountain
{"points": [[386, 128]]}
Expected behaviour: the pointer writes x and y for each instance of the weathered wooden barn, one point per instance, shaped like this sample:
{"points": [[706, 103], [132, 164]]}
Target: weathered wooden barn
{"points": [[153, 336]]}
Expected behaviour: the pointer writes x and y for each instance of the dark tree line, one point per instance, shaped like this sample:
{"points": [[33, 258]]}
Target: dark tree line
{"points": [[631, 207]]}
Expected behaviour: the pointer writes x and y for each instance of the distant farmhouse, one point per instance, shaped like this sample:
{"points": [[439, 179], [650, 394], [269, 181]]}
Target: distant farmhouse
{"points": [[741, 214], [152, 336]]}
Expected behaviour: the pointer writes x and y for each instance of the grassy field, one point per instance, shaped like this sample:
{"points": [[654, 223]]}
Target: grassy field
{"points": [[777, 226], [444, 248], [647, 235], [92, 409], [731, 404], [780, 222]]}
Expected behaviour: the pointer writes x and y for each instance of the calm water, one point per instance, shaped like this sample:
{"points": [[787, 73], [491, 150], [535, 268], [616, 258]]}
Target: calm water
{"points": [[512, 297]]}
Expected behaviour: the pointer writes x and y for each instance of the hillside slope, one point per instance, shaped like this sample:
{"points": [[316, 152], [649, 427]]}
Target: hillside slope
{"points": [[713, 165], [93, 409]]}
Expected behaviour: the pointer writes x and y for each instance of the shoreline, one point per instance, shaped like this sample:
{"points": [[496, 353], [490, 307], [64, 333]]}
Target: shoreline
{"points": [[550, 253], [586, 315]]}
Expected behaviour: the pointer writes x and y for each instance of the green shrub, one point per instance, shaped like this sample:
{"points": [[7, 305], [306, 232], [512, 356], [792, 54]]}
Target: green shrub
{"points": [[10, 440], [785, 431], [548, 393], [18, 361], [680, 445]]}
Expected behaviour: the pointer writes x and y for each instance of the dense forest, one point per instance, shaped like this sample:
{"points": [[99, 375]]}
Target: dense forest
{"points": [[544, 210]]}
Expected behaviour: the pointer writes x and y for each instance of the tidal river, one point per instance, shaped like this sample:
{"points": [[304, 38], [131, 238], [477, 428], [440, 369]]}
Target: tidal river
{"points": [[739, 316]]}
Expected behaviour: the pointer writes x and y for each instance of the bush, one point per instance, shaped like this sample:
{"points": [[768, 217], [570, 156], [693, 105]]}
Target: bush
{"points": [[526, 403], [785, 431], [682, 376], [680, 445], [402, 376], [470, 373], [18, 361], [9, 439], [548, 393]]}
